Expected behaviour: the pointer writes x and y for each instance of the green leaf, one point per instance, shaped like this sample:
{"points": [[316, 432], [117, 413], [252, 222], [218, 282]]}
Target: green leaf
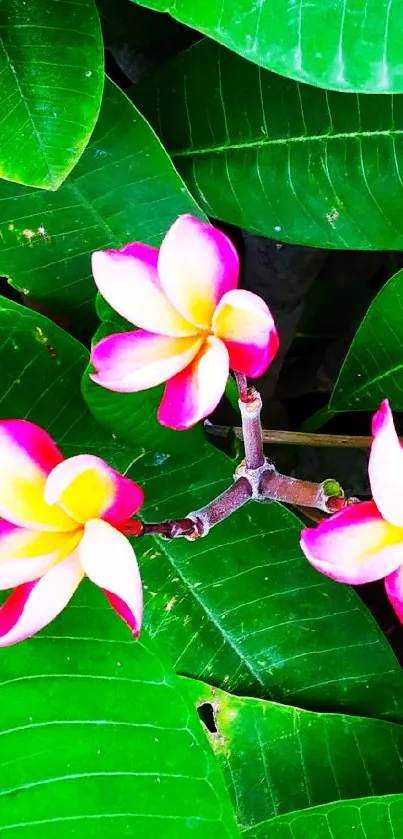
{"points": [[132, 417], [367, 818], [244, 610], [288, 161], [276, 759], [96, 734], [98, 739], [373, 367], [41, 366], [124, 188], [348, 46], [51, 81]]}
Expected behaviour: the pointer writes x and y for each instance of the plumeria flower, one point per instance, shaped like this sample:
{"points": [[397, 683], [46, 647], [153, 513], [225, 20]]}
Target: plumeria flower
{"points": [[61, 520], [364, 542], [194, 323]]}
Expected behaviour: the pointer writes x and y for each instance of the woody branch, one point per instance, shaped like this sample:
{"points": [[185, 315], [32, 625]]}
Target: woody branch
{"points": [[255, 479]]}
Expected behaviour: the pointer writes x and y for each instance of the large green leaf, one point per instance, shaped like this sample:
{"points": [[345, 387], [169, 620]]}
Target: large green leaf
{"points": [[41, 366], [124, 188], [132, 417], [367, 818], [244, 610], [373, 367], [51, 80], [97, 738], [350, 46], [289, 161], [87, 714], [277, 759]]}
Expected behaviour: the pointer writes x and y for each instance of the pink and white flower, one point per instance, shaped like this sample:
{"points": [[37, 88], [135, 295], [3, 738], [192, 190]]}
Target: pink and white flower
{"points": [[60, 520], [194, 323], [364, 542]]}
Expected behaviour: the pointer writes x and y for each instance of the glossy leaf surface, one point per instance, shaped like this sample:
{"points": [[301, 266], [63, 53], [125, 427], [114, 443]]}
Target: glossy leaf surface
{"points": [[243, 609], [97, 737], [51, 82], [351, 46], [286, 160], [41, 367], [132, 417], [277, 759], [373, 367], [368, 818], [124, 188]]}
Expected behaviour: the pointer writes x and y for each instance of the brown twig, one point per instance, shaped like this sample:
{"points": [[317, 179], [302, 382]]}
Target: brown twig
{"points": [[256, 478], [198, 523], [326, 496], [296, 438]]}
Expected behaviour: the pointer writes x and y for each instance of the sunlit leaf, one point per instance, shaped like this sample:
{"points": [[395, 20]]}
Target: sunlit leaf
{"points": [[351, 46], [51, 81], [368, 818], [373, 367], [289, 161], [97, 738], [123, 189], [244, 610], [277, 759]]}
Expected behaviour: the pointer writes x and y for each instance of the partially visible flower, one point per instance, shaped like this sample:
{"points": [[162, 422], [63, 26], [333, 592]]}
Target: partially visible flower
{"points": [[60, 521], [194, 322], [364, 542]]}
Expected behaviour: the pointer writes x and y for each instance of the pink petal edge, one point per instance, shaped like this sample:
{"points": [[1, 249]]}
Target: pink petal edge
{"points": [[244, 322], [122, 501], [128, 280], [354, 546], [34, 605], [33, 441], [385, 467], [194, 393], [394, 591], [197, 264], [119, 577], [27, 455], [133, 361], [26, 555]]}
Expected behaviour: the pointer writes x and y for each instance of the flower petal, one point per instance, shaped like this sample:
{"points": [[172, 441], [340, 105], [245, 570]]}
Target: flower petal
{"points": [[87, 488], [194, 393], [385, 467], [133, 361], [354, 546], [33, 605], [26, 555], [245, 324], [109, 561], [27, 455], [128, 280], [197, 264], [394, 590]]}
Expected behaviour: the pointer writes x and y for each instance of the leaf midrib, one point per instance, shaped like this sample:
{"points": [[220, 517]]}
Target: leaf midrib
{"points": [[225, 635], [28, 112], [285, 141], [366, 385]]}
